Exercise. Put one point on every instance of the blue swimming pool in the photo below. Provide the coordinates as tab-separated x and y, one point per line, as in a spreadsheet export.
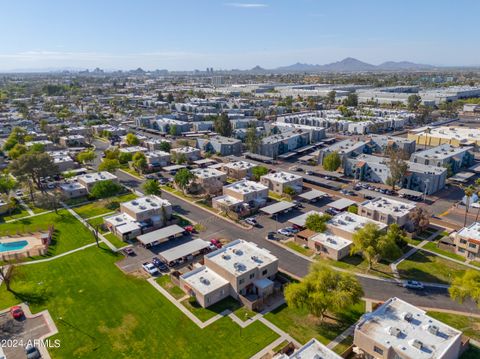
12	246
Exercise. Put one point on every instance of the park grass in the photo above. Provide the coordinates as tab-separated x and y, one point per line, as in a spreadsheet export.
413	241
98	208
302	326
427	267
117	242
102	313
299	248
358	264
166	283
69	232
343	345
205	314
244	313
431	246
470	326
280	346
97	222
18	212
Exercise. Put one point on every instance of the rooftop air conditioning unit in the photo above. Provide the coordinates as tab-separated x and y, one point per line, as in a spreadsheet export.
417	344
408	316
394	331
433	329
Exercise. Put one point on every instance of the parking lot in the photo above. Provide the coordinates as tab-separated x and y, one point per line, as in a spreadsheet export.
20	332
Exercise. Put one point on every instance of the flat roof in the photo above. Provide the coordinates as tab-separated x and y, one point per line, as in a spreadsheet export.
174	167
408	330
145	203
410	192
351	222
204	280
341	203
277	207
239	165
96	176
300	220
282	177
245	186
471	232
159	234
389	206
314	350
314	193
184	250
207	172
462	177
331	240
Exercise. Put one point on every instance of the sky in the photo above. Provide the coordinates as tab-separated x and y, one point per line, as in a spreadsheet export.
195	34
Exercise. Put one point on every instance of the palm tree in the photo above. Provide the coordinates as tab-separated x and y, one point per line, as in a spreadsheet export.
469	192
477	184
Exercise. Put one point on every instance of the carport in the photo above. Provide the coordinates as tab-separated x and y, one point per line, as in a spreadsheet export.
405	192
160	235
186	250
341	204
462	177
312	196
277	208
299	221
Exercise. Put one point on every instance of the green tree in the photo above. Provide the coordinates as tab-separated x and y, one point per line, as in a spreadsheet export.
259	171
86	157
252	141
351	100
152	186
125	157
183	178
140	161
398	167
36	147
7	185
413	102
373	244
331	97
317	222
469	192
466	286
222	125
34	166
16	136
165	146
289	191
170	98
17	151
352	209
332	161
181	158
104	189
420	219
172	130
132	140
324	290
109	165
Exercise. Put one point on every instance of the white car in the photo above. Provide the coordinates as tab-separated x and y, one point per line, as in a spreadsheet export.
285	232
413	284
251	221
150	268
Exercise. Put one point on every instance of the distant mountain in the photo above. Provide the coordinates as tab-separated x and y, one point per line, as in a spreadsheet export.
351	64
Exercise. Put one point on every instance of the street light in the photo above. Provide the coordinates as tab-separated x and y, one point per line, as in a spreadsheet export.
427	181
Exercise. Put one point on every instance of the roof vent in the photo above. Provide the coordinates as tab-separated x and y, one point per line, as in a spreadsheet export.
416	344
394	331
408	316
433	329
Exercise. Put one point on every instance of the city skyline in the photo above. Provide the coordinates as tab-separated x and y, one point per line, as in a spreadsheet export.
189	35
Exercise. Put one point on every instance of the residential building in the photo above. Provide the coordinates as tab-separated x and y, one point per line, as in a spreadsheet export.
210	179
276	145
47	144
64	162
238	169
346	224
387	211
73	190
445	155
455	136
397	329
157	158
154	144
383	142
72	141
242	193
423	178
239	268
224	146
277	182
91	179
330	245
191	153
164	124
133	149
313	349
467	241
345	149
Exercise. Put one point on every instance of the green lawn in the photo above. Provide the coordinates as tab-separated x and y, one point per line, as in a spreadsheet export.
18	212
431	246
69	232
117	242
102	313
100	207
470	326
427	267
359	265
343	345
205	314
299	248
97	222
303	326
166	282
244	313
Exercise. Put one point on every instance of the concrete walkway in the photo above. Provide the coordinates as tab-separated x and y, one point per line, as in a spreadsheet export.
58	255
24	205
411	252
341	337
29	216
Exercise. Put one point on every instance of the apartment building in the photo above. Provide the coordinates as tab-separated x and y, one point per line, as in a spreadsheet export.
240	268
157	158
154	144
73	190
277	182
345	148
91	179
190	153
383	142
455	136
73	141
387	211
330	245
423	178
445	155
209	177
398	329
276	145
467	241
345	224
47	144
133	149
64	162
238	169
163	124
313	349
241	193
224	146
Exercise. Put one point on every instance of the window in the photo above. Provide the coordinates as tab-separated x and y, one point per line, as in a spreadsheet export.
241	281
377	350
264	272
252	275
463	241
461	250
472	245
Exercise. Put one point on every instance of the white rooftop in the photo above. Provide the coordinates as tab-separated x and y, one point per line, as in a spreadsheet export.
227	200
462	134
350	222
471	232
186	149
123	223
282	177
207	172
246	186
71	186
204	280
300	220
146	203
96	176
314	350
133	149
239	256
389	206
239	165
408	330
331	240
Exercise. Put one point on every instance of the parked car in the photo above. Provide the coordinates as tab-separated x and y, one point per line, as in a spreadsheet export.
189	229
32	352
17	312
271	235
285	231
297	204
163	181
251	221
309	173
150	177
413	284
216	243
332	211
159	264
150	268
129	251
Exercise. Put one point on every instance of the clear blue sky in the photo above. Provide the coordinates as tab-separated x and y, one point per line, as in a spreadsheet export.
189	34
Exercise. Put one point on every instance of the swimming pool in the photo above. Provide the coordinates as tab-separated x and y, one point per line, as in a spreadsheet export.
12	246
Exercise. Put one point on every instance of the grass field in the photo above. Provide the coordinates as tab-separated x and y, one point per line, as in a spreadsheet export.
69	232
470	326
303	326
205	314
18	212
117	242
102	313
427	267
100	207
431	246
166	282
299	248
359	265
